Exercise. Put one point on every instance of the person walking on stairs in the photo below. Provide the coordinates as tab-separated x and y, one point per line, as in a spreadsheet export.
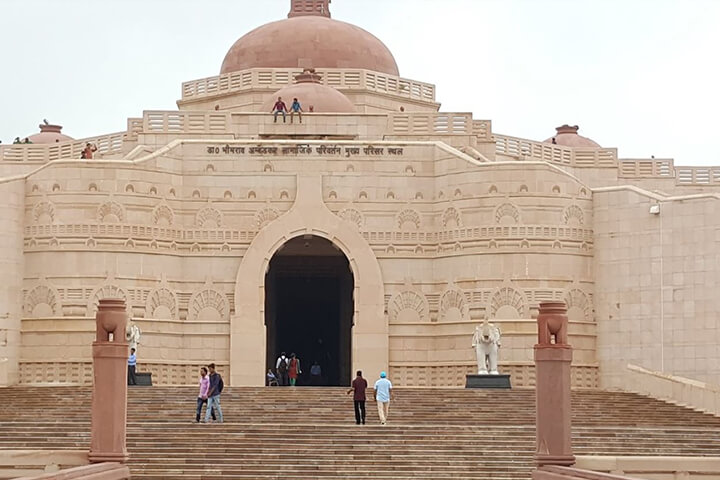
216	387
281	368
202	394
358	387
294	369
383	395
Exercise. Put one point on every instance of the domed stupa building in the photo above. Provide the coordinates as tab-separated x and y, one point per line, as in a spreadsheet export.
374	235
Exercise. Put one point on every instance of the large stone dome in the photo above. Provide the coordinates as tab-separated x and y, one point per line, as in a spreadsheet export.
309	41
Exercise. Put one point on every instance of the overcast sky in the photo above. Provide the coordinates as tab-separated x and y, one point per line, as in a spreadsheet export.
640	75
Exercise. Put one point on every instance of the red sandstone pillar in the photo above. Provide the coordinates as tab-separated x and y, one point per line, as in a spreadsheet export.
553	356
109	398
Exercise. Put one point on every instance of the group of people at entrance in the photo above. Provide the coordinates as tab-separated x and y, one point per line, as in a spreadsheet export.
287	371
382	394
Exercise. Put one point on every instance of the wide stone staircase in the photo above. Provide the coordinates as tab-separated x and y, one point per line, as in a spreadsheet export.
308	433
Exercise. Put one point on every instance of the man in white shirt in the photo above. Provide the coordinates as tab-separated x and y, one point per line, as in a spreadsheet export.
281	369
383	395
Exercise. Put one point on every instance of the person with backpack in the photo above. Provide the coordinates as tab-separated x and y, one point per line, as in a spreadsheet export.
216	388
281	367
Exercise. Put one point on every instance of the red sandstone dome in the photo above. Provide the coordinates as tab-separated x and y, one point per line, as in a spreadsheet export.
309	40
49	134
310	92
567	136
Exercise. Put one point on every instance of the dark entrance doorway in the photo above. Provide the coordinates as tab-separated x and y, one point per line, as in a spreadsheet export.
309	308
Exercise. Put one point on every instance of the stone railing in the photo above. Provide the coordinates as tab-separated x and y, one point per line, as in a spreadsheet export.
42	153
490	232
669	468
342	79
646	168
697	175
555	472
573	157
431	124
683	391
37	462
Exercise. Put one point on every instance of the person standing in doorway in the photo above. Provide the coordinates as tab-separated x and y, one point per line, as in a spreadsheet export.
315	374
383	395
281	367
132	362
294	369
358	387
216	387
202	394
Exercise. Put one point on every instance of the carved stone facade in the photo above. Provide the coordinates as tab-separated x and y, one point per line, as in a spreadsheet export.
443	224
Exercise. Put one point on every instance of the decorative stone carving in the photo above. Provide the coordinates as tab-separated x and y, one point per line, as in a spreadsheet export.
451	218
208	305
573	215
265	216
353	216
161	304
507	213
208	217
42	301
111	212
408	219
578	305
106	291
486	341
552	324
407	307
454	306
163	215
44	213
132	334
507	303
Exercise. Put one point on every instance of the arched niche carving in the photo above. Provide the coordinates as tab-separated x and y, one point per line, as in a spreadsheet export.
111	212
265	216
508	303
42	301
573	215
579	305
506	214
453	306
163	215
353	216
208	305
208	217
161	304
408	219
408	306
44	213
451	218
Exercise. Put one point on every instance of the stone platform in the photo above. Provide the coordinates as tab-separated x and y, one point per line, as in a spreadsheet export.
487	381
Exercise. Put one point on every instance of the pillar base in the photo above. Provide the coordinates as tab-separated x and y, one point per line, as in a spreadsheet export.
100	457
562	460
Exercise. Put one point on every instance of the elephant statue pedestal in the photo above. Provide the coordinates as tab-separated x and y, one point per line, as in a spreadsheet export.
487	381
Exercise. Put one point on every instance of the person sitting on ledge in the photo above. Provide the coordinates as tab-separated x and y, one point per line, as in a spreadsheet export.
279	107
295	108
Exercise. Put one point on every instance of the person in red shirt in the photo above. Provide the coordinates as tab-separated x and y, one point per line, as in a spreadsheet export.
359	385
279	107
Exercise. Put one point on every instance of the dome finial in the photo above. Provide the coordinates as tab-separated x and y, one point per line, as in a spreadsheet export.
302	8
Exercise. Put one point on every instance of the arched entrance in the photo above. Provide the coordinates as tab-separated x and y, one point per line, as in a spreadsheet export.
309	308
308	216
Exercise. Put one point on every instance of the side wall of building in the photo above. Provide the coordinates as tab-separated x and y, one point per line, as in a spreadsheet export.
11	265
657	281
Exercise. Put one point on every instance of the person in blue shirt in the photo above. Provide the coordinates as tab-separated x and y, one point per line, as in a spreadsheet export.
132	361
295	108
383	395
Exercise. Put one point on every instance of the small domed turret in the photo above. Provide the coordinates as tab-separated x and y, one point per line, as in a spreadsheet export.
567	136
49	134
311	93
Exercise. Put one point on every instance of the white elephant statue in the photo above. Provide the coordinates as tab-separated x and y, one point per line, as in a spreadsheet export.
132	334
486	341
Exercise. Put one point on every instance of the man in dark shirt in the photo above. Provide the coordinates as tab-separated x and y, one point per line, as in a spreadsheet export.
279	107
359	385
